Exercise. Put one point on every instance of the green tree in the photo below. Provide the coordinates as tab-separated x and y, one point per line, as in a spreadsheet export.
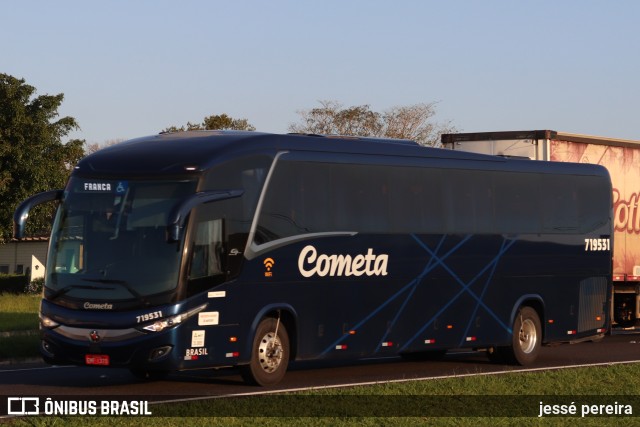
32	155
216	122
413	122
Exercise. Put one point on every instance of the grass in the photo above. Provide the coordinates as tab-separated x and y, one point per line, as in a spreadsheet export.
19	316
509	399
19	312
19	347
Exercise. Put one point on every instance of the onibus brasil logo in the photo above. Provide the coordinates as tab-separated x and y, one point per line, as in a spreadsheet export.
70	405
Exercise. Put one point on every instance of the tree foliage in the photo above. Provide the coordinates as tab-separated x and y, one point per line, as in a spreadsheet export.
32	155
215	122
408	122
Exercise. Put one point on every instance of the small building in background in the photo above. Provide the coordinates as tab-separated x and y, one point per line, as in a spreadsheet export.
27	256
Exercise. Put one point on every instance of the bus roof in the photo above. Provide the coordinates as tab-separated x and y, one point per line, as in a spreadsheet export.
194	152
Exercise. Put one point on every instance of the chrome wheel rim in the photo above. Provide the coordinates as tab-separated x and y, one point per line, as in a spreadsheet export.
270	352
528	336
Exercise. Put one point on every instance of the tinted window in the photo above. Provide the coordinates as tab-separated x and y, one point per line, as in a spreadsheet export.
310	197
517	202
112	234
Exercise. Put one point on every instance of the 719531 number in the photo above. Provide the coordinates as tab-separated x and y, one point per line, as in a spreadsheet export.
593	245
149	316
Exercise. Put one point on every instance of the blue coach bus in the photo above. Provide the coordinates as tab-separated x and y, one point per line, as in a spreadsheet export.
205	249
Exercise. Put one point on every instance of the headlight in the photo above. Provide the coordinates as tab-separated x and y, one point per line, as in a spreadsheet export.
170	322
47	322
164	323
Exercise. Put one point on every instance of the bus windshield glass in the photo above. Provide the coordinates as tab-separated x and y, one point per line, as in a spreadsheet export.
109	239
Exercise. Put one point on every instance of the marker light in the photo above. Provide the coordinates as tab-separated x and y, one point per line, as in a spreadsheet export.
170	322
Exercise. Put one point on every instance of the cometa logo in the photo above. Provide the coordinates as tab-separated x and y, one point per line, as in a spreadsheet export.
103	306
310	263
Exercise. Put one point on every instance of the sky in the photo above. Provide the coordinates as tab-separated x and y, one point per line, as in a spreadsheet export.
130	68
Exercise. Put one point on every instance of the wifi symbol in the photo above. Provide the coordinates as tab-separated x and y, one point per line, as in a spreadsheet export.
268	263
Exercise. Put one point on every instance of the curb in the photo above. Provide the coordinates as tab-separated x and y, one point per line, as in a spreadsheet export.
21	361
25	333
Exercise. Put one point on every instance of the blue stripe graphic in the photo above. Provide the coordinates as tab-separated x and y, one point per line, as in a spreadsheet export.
434	261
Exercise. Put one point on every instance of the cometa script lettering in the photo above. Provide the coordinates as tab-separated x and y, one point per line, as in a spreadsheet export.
103	306
370	264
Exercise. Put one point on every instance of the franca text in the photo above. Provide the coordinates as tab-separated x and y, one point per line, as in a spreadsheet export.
97	186
310	263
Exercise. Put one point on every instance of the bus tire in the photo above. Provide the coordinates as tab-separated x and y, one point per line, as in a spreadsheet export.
269	354
526	337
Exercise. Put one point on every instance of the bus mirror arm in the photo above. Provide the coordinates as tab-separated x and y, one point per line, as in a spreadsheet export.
180	211
22	212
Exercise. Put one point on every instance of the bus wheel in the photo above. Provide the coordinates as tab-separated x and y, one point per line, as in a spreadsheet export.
527	337
269	354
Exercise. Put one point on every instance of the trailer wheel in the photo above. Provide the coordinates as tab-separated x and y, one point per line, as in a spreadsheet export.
526	338
269	354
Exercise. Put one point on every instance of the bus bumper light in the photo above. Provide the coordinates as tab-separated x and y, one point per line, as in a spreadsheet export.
160	352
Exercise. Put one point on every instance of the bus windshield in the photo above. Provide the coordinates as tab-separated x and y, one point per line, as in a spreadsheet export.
109	239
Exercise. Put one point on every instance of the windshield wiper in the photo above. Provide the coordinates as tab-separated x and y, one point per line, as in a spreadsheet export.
122	283
66	289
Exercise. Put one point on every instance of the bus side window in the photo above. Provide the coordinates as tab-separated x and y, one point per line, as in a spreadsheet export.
207	250
207	261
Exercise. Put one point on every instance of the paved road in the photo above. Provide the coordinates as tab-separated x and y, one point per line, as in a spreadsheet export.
40	379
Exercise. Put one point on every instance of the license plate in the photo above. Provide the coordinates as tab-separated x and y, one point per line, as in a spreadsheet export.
97	359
